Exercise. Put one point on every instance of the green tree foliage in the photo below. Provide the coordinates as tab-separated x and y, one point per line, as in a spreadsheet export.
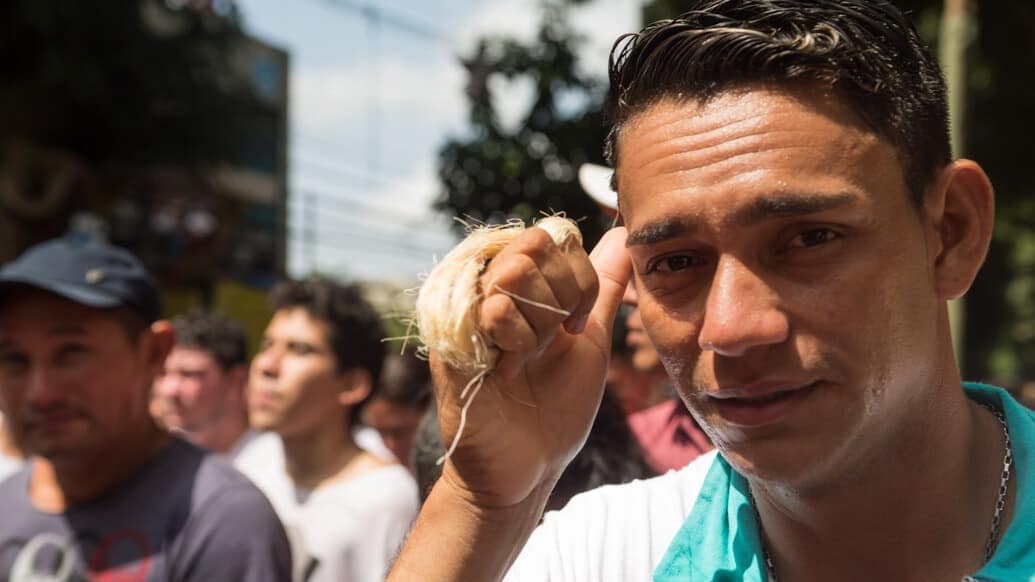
494	172
1000	307
127	80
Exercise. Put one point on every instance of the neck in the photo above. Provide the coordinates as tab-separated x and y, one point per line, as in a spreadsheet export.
56	486
221	436
7	448
313	456
935	489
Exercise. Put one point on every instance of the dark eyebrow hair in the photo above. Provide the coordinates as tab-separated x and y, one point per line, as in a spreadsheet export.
789	205
759	210
67	329
63	329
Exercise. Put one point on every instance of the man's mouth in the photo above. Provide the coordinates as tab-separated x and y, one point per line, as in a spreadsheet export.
52	419
745	408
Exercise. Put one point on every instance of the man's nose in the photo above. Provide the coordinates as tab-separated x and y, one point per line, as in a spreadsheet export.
267	362
43	389
741	312
167	384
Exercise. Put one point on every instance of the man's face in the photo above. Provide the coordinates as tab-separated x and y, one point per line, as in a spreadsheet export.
396	423
72	385
194	392
783	276
294	383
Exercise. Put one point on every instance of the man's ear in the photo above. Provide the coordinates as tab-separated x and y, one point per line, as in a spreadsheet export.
960	207
160	339
356	386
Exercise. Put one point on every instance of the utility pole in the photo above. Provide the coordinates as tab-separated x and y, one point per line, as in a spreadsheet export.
958	28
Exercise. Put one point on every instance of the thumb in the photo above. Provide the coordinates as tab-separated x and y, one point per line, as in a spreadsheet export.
611	261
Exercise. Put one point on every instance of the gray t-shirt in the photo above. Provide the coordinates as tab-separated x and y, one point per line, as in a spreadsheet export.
186	515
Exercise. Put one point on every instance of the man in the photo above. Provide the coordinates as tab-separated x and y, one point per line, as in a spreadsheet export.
795	226
346	509
108	494
200	391
399	402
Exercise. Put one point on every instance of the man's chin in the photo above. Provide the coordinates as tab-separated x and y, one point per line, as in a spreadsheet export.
59	452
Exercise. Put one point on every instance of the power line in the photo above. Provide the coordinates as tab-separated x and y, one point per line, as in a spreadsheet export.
311	235
347	209
345	171
376	15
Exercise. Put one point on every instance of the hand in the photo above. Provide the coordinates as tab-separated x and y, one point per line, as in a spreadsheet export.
533	412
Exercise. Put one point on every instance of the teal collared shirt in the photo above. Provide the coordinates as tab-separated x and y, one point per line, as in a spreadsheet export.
720	539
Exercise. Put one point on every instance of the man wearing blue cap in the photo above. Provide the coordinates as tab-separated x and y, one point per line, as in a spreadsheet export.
108	493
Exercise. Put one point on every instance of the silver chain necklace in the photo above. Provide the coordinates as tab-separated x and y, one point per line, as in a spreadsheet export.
1000	502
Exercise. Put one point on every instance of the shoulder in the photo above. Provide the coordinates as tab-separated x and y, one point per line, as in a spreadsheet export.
260	455
216	489
231	531
381	487
613	533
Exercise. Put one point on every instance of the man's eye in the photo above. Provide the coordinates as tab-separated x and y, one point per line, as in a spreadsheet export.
71	353
13	361
673	263
301	349
815	237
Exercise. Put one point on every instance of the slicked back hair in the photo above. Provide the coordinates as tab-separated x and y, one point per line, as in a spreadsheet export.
355	326
865	51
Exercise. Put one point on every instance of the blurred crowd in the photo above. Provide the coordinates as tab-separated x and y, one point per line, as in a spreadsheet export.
111	412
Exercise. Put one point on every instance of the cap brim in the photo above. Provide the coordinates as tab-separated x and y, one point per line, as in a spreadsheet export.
596	182
75	293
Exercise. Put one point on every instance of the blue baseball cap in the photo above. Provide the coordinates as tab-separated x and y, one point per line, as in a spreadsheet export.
86	272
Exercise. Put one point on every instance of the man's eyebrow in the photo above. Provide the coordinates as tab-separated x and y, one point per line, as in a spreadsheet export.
67	329
790	205
761	209
662	230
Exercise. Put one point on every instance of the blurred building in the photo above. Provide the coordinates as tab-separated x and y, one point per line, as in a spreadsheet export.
155	124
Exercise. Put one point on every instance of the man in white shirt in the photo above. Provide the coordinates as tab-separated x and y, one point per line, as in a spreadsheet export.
345	509
796	225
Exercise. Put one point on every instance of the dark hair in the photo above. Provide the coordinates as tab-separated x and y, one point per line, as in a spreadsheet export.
866	51
405	380
355	326
132	322
611	456
427	448
222	337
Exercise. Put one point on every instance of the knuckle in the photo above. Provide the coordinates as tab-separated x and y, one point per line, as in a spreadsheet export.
510	272
535	243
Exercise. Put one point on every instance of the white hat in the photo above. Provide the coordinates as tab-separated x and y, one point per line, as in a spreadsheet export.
596	181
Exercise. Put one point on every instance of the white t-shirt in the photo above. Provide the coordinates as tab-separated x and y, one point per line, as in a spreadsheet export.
241	445
617	533
347	531
9	465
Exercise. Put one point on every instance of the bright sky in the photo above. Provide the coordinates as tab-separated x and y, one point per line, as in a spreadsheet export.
370	106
